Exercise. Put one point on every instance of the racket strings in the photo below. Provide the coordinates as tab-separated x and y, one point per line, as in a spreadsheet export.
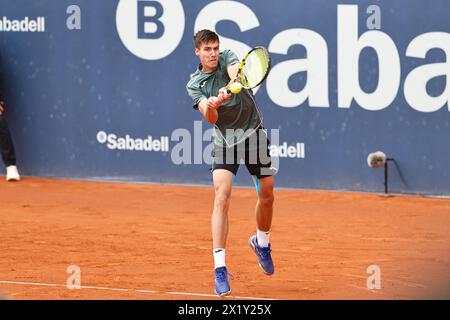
255	68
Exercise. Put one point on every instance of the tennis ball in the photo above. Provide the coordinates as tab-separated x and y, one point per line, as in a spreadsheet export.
235	88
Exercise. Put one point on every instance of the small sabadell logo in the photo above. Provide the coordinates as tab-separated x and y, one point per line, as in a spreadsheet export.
24	25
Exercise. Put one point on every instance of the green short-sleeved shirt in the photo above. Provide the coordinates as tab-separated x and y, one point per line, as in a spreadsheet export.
239	117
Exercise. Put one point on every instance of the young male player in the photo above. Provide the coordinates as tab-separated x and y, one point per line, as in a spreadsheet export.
238	134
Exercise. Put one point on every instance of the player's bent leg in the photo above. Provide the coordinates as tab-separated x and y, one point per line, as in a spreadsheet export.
264	206
259	243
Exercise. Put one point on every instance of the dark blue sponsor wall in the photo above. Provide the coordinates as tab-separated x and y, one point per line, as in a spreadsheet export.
96	89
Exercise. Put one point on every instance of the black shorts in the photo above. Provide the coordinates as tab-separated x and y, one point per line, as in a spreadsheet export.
254	151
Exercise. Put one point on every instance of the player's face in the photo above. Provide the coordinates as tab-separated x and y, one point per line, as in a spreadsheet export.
208	55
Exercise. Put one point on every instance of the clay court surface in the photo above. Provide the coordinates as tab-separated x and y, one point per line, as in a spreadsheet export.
142	241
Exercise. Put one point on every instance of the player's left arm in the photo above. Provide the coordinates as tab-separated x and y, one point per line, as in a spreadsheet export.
232	73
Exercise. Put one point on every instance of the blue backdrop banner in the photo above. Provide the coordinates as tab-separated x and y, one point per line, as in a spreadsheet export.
96	89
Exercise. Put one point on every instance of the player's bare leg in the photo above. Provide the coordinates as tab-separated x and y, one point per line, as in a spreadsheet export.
223	180
264	205
260	243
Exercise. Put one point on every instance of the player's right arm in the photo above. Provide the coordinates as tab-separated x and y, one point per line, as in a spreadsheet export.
208	108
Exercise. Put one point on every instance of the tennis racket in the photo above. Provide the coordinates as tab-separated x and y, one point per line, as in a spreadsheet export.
253	70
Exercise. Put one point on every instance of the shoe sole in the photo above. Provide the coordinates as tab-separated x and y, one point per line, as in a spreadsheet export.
254	250
223	294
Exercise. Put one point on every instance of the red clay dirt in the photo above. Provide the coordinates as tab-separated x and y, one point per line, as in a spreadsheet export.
157	239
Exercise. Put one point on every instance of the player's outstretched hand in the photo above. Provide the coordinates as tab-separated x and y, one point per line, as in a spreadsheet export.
213	103
223	96
216	102
223	93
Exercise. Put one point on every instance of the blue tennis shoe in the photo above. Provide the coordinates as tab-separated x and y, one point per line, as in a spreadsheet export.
221	284
263	254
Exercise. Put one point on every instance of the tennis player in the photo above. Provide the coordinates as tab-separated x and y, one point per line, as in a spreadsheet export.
238	135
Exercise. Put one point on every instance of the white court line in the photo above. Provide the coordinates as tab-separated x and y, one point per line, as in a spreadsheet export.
129	290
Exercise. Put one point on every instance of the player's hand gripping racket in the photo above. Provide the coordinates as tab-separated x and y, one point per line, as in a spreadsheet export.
253	70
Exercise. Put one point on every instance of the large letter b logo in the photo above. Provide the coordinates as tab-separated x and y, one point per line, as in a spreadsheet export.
149	25
150	29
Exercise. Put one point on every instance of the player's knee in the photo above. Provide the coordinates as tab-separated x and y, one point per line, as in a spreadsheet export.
223	196
266	198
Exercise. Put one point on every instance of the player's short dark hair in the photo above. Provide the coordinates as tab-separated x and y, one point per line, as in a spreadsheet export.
204	36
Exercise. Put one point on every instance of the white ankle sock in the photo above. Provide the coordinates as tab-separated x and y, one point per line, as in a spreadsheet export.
219	257
263	238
